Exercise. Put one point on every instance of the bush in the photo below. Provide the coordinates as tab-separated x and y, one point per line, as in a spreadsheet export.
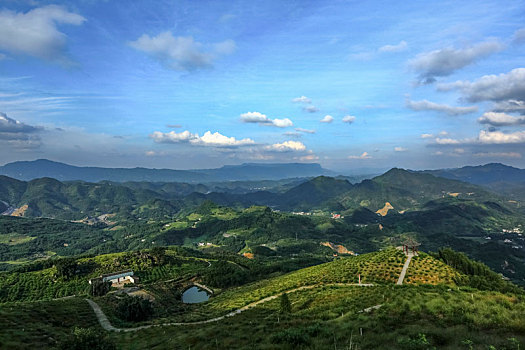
292	336
86	339
134	308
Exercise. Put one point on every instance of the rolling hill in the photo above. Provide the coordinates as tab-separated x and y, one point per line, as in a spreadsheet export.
327	307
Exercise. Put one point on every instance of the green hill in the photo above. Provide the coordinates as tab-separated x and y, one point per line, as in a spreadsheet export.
433	309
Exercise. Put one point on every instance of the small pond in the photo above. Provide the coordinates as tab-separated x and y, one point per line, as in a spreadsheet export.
195	295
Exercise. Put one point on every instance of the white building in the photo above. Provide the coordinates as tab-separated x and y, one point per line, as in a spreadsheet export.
119	277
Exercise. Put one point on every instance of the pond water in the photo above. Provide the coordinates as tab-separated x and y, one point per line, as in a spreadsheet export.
195	295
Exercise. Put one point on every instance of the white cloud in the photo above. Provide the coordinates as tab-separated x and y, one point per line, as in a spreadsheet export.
302	99
427	136
259	118
311	109
348	119
364	155
208	139
306	131
400	149
181	53
286	146
447	141
499	137
444	62
509	86
327	119
282	123
394	48
500	119
35	33
498	154
425	105
443	133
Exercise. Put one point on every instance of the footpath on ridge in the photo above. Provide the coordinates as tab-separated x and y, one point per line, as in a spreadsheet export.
405	268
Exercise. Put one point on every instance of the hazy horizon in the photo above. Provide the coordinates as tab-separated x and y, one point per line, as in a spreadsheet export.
353	171
197	85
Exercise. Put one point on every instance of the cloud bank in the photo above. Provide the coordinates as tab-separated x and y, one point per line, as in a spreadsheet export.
208	139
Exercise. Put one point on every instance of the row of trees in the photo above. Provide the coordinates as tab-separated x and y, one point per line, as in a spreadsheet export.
476	274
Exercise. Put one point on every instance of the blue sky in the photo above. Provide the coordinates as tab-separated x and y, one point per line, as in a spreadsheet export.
198	84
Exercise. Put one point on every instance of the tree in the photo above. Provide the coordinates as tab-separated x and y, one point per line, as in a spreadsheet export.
66	268
223	274
286	306
98	288
134	308
159	255
86	339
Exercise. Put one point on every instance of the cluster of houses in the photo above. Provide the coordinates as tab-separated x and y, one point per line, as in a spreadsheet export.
301	213
513	230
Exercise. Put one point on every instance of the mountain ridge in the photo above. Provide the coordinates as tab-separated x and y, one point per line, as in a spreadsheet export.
29	170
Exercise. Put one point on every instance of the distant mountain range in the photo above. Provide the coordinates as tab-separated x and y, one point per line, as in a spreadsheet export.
29	170
403	189
483	174
497	177
397	189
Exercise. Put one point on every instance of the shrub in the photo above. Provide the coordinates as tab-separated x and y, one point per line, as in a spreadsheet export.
292	336
86	339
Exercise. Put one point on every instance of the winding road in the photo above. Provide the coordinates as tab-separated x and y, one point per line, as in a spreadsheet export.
105	324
